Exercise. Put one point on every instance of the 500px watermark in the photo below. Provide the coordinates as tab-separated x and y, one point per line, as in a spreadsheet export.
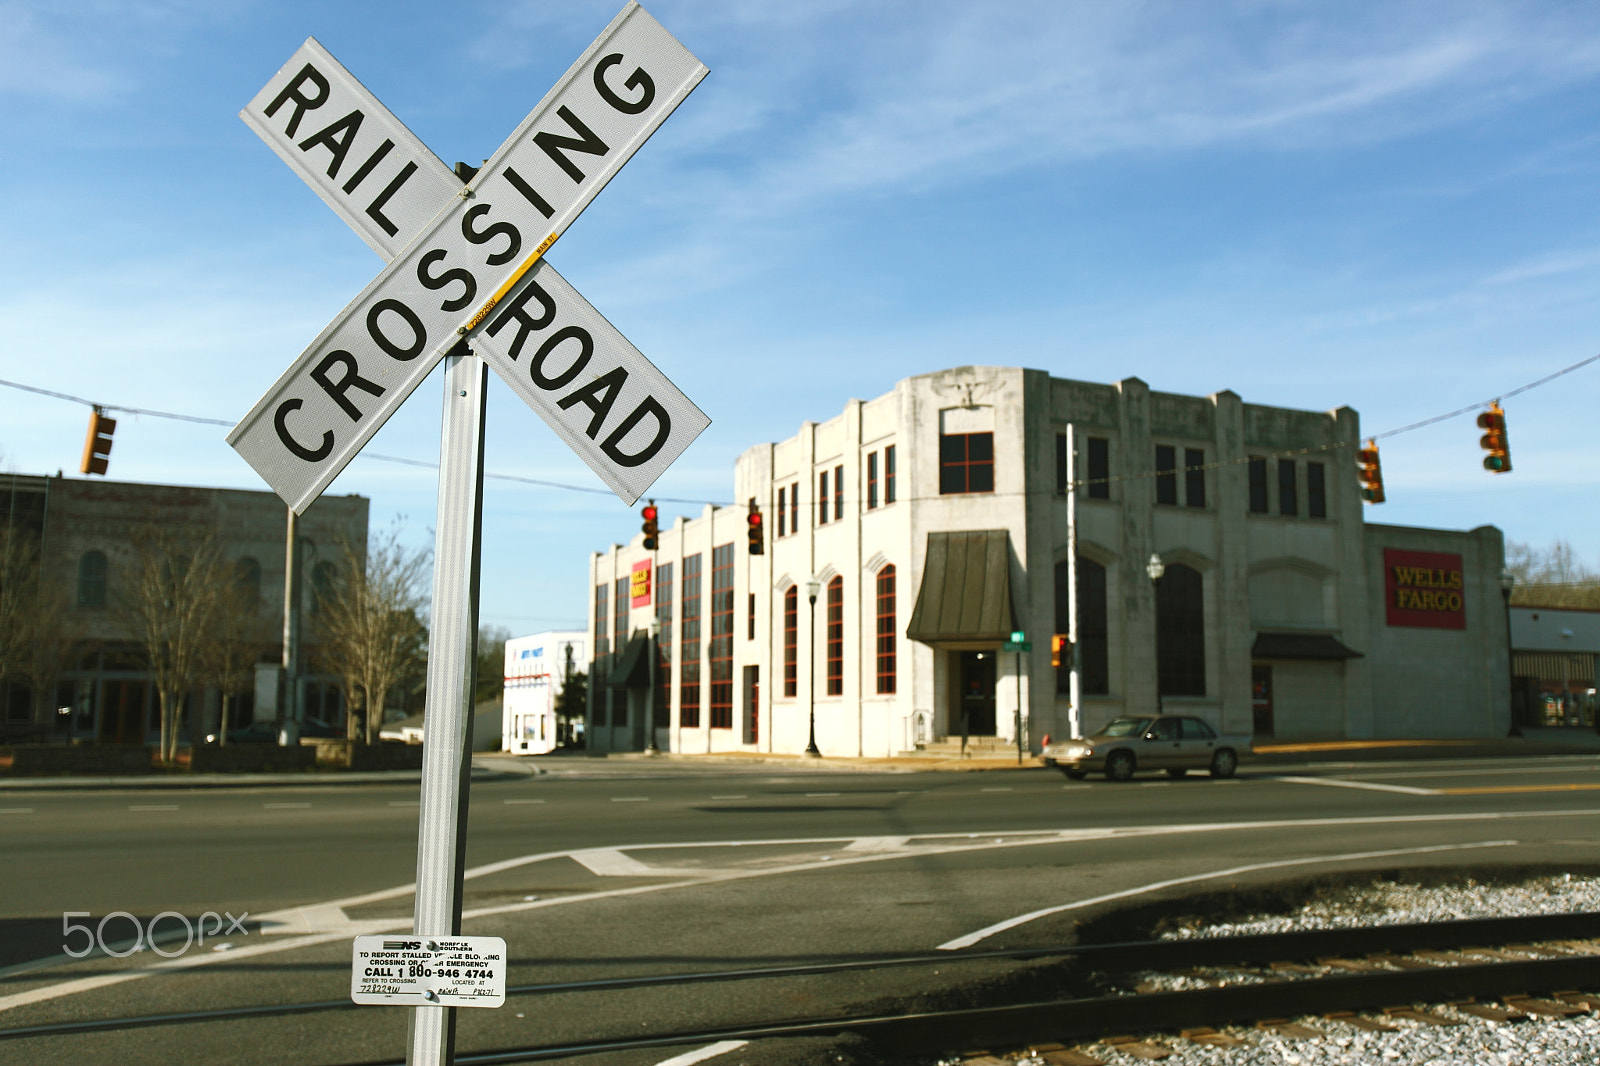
145	935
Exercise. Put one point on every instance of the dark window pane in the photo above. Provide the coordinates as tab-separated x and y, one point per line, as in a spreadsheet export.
980	447
838	493
1099	472
888	474
886	628
1258	485
952	448
1316	490
1094	674
1180	632
1166	479
1194	477
719	650
1062	476
1288	501
836	637
872	480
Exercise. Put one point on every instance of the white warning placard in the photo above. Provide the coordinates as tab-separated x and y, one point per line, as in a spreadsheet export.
421	971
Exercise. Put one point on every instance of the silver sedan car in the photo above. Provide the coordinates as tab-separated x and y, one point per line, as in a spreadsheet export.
1175	743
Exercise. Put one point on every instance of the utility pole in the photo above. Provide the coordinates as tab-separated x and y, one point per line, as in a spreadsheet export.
1074	678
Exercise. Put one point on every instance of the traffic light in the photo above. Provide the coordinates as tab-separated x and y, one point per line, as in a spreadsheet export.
758	543
1493	441
651	528
1371	474
1060	650
97	446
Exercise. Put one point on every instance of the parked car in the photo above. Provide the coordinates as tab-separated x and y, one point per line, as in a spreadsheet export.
1176	743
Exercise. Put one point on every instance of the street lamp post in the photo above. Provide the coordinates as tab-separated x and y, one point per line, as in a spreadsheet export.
812	588
1155	568
1508	581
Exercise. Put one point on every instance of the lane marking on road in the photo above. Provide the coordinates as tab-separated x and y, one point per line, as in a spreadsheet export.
1370	786
876	844
1571	768
630	799
932	844
1354	856
285	806
729	797
514	802
153	807
816	794
610	862
710	1051
1488	790
994	790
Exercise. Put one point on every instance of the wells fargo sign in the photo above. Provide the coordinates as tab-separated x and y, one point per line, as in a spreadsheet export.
1424	589
639	584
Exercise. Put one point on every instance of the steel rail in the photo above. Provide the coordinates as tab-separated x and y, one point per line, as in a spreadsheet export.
1110	958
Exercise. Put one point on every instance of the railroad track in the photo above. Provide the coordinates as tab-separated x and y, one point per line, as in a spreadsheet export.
1500	969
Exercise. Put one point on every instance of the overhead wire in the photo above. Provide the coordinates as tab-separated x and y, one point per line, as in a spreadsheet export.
1140	476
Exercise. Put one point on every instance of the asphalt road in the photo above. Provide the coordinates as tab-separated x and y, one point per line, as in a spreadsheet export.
600	870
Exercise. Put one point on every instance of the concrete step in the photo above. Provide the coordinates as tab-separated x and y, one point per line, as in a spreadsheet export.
950	748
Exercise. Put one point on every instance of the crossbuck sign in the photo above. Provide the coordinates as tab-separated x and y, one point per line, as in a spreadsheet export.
466	264
465	282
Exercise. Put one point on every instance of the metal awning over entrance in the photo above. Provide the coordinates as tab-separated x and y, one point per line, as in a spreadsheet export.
1314	647
966	589
631	667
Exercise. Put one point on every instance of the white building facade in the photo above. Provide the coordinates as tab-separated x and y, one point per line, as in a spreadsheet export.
935	520
537	667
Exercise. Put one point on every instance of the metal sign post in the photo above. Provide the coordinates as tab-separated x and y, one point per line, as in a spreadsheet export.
465	267
452	656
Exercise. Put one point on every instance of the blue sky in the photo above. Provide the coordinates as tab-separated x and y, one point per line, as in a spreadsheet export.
1391	206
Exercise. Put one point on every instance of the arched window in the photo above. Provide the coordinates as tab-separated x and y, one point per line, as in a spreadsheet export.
324	577
886	651
836	637
1180	632
791	634
92	579
1094	674
247	582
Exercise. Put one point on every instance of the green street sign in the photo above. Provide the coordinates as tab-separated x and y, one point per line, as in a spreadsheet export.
1017	645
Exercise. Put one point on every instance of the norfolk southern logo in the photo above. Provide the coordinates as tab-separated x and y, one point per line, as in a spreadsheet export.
401	945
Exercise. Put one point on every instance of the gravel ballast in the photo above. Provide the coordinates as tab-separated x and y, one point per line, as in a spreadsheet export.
1473	1041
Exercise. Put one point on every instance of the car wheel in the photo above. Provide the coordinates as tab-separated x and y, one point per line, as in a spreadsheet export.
1177	772
1119	766
1076	775
1224	763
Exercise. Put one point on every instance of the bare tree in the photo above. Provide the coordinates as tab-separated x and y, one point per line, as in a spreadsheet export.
370	625
51	636
1551	577
171	606
231	655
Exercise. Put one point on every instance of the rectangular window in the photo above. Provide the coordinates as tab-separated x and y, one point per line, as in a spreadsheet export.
872	480
791	640
838	493
1258	485
888	474
663	715
689	684
619	628
1166	474
836	637
1194	477
602	646
783	510
794	507
750	619
1092	652
966	463
822	498
886	650
720	649
1099	468
1316	490
1063	473
1288	496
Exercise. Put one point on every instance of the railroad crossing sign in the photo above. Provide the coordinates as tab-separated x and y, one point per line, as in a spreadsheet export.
465	263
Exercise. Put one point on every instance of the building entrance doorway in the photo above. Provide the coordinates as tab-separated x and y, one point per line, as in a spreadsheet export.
122	712
974	675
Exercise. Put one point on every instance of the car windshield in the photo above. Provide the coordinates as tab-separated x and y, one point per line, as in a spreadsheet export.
1125	727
